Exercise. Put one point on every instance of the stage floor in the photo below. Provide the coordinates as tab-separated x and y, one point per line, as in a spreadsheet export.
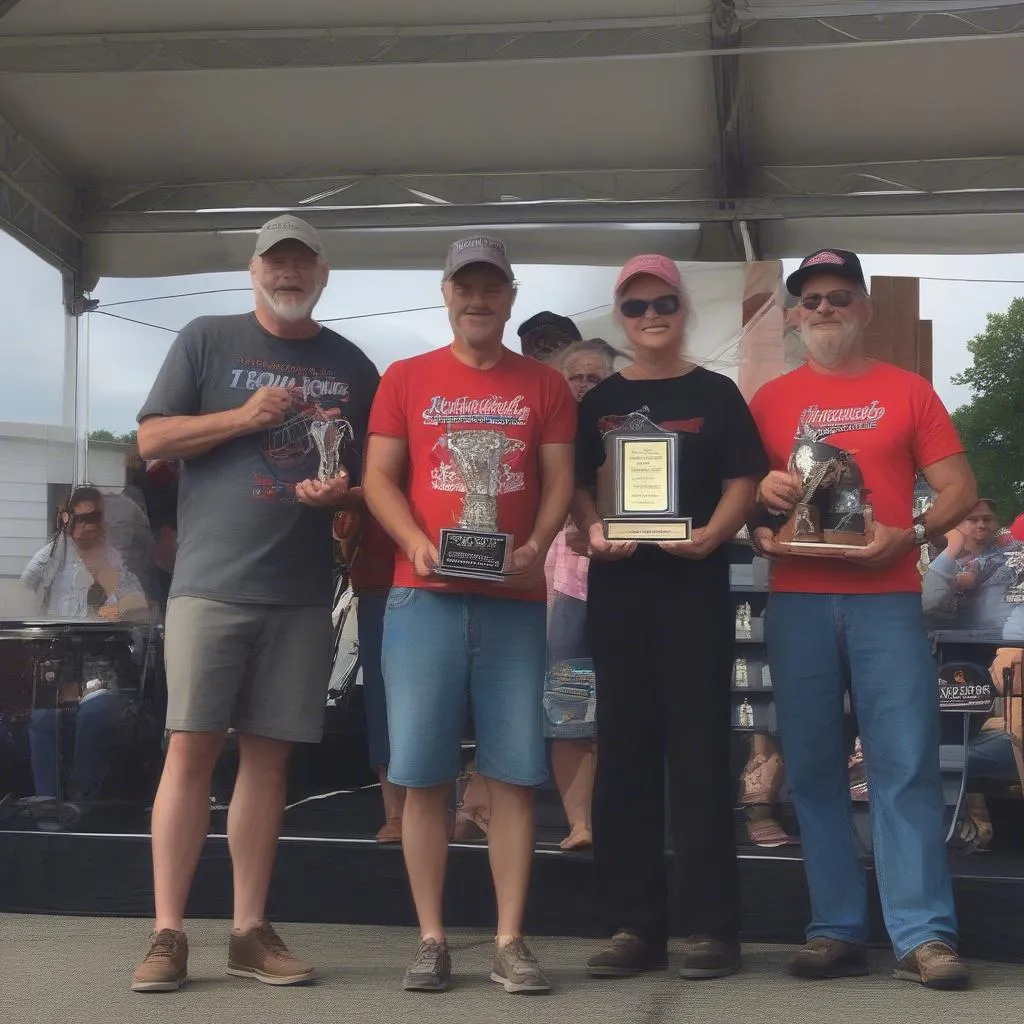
329	869
66	968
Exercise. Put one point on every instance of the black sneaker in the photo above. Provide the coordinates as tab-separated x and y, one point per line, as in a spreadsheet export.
626	955
823	957
707	957
431	970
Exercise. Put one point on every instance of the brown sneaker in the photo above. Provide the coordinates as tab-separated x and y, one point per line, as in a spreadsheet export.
261	954
627	954
707	957
516	968
165	966
829	958
934	965
431	970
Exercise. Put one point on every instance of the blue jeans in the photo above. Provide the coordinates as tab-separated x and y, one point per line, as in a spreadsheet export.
370	627
71	747
444	653
990	756
817	644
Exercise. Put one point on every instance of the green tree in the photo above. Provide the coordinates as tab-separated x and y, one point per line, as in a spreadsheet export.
991	425
108	435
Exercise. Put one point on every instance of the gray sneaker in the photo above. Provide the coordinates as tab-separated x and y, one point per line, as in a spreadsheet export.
431	970
516	968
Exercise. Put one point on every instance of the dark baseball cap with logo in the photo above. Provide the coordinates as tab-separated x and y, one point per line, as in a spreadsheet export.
838	262
546	333
477	249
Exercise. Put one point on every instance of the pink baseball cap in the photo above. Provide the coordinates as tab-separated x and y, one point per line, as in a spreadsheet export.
657	266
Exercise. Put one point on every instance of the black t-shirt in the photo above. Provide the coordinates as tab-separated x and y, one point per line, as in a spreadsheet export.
718	441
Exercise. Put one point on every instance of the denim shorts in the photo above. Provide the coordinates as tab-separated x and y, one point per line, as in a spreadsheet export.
446	655
569	690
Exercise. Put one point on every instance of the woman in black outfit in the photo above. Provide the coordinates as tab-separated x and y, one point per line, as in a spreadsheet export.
661	631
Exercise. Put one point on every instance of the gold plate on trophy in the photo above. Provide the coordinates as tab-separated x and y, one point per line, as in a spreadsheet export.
637	489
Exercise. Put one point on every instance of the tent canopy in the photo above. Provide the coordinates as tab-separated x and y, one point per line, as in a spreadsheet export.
151	139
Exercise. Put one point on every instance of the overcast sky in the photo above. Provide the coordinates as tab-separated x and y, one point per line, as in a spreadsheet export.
124	357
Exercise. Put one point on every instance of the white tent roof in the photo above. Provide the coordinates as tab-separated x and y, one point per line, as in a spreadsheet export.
150	139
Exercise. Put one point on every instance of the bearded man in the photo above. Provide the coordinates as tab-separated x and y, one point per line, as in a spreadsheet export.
266	413
856	622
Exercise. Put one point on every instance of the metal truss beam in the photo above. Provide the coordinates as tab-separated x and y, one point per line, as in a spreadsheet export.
37	202
555	213
727	241
542	186
259	49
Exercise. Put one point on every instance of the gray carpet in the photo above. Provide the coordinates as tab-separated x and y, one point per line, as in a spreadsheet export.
77	969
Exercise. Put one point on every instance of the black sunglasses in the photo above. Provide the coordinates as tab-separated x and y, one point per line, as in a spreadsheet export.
840	299
664	305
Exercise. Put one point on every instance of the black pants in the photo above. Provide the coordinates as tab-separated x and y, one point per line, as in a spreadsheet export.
663	657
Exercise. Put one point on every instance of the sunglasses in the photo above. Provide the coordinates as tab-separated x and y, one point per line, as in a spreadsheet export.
585	378
664	305
839	299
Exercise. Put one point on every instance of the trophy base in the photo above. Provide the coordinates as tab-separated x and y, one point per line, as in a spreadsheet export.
647	531
835	545
473	554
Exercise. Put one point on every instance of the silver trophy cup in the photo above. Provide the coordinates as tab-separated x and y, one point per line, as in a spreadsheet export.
476	549
477	456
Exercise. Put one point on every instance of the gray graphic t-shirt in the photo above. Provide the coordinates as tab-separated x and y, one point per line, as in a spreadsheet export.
242	536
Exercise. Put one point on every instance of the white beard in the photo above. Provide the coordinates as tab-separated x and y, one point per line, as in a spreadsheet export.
829	348
289	311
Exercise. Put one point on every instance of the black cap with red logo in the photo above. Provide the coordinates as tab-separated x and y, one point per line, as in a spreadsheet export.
827	261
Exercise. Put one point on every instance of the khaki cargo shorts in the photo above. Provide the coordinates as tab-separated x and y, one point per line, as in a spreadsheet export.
256	668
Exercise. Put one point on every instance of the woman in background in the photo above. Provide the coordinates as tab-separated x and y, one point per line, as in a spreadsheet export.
569	694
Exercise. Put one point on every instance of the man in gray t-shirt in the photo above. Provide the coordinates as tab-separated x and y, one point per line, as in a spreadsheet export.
266	413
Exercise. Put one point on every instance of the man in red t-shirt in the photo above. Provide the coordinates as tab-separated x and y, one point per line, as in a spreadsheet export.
453	643
856	621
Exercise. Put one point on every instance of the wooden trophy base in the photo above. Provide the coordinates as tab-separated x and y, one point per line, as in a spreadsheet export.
815	542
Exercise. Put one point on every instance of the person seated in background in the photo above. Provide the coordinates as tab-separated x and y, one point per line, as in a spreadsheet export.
80	574
965	586
994	755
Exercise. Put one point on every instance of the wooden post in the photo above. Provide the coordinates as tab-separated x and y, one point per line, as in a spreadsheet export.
924	349
893	334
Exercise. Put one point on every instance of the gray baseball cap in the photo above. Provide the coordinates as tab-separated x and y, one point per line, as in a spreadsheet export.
286	227
477	249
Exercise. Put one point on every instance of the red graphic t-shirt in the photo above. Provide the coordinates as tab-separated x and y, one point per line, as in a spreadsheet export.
893	423
425	398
